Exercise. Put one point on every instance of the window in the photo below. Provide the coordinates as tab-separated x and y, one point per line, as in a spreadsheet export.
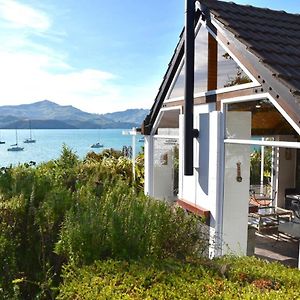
200	80
229	72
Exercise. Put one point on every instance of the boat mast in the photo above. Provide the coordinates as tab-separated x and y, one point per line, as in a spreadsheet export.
30	129
16	137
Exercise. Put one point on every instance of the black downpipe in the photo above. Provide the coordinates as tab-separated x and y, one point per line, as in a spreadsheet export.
189	50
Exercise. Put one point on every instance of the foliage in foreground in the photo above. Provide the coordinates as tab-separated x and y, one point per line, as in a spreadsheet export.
71	210
226	278
122	225
71	213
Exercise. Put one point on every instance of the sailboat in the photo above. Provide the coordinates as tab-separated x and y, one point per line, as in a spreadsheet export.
97	145
15	146
30	139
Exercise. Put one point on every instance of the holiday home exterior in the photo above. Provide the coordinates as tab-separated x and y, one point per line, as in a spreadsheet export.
232	86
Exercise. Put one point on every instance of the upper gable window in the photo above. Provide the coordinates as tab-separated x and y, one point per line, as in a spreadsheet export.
200	80
229	72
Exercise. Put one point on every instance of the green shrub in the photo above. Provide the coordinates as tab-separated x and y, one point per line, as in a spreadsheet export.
33	204
98	205
8	262
169	279
126	225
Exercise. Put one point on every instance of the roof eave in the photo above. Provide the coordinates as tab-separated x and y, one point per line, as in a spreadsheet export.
275	86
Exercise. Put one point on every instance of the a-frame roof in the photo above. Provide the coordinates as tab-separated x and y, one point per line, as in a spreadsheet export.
271	37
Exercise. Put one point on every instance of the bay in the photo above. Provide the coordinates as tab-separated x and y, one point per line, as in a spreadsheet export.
49	143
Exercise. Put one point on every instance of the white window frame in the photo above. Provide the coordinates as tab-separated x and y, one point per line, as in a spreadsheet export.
159	116
259	142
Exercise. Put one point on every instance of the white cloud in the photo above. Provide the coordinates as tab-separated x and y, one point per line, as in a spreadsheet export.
23	16
24	78
29	76
33	71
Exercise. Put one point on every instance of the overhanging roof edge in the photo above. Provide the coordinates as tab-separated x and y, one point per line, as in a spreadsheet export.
263	74
166	83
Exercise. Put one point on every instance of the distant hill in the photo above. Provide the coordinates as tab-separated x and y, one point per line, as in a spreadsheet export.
49	115
128	116
40	124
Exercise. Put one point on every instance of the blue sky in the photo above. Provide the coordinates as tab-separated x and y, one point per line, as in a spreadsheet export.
100	56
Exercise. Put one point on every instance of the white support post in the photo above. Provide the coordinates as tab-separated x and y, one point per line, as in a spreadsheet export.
148	161
133	155
181	160
299	256
262	164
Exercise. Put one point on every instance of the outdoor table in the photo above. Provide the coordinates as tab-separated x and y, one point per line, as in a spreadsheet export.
292	229
268	216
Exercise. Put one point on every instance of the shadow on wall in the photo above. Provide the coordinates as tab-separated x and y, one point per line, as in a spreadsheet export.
203	167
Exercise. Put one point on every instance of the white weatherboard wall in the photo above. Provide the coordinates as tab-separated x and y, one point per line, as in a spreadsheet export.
163	178
203	188
236	194
190	190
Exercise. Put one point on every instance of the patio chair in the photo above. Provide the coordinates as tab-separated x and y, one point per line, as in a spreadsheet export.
261	199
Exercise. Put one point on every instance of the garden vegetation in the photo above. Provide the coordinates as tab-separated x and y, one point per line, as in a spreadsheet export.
82	229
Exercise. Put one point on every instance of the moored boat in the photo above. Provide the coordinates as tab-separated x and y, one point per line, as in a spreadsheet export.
29	140
97	145
15	147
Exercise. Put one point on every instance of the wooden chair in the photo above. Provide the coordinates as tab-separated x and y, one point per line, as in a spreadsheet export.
262	199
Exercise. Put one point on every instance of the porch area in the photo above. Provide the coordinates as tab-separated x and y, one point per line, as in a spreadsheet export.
282	249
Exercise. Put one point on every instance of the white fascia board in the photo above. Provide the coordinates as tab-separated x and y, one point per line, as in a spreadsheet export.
216	92
160	114
279	144
260	97
165	136
198	26
285	114
243	99
174	81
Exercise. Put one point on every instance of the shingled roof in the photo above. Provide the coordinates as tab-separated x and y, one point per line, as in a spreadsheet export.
273	36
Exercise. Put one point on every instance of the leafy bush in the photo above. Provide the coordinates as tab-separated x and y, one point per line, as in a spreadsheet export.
228	278
86	210
126	225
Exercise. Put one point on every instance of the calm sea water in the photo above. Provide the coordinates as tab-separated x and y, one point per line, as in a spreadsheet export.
49	143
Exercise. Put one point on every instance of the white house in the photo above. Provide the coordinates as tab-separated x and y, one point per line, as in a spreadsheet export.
246	94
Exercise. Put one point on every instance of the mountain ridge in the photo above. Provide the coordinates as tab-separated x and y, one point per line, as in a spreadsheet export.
46	114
